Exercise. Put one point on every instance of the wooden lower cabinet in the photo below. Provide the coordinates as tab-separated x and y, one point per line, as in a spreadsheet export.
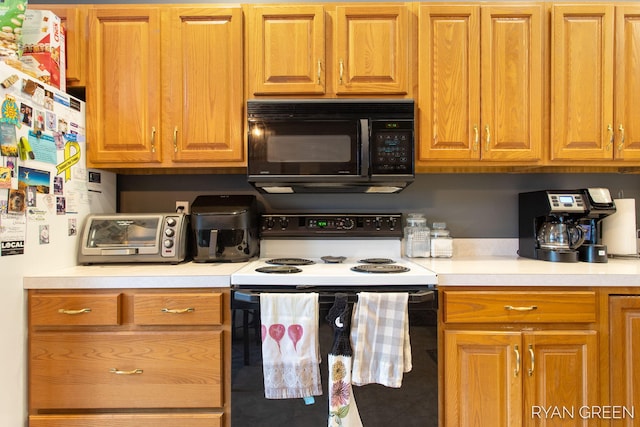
625	357
515	367
127	420
129	358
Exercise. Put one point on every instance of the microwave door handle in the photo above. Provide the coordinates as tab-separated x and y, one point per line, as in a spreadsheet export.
213	243
364	147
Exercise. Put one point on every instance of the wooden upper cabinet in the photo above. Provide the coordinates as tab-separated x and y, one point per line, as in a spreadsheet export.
165	87
202	94
449	80
582	82
481	71
286	50
74	21
123	87
627	83
511	82
372	49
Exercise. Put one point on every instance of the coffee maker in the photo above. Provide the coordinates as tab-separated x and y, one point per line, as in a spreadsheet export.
599	206
548	224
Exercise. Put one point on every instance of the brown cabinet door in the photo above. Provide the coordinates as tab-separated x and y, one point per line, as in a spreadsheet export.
560	369
177	309
449	76
482	379
511	82
286	51
627	81
582	82
624	331
123	87
202	83
372	49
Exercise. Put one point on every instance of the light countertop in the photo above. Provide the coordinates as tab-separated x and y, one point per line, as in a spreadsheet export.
477	262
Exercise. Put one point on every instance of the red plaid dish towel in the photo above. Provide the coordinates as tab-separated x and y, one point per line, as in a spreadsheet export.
380	338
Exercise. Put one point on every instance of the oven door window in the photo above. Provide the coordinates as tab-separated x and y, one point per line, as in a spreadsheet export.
322	147
124	233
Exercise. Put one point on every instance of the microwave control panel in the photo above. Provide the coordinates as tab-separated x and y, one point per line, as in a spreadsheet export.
392	147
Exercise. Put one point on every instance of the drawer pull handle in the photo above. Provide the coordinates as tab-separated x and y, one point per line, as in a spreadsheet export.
131	372
516	371
178	311
533	360
516	308
72	312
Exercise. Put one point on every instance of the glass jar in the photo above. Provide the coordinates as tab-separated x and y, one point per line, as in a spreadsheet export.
441	241
417	236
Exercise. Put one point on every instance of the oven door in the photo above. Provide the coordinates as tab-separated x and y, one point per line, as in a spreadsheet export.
306	149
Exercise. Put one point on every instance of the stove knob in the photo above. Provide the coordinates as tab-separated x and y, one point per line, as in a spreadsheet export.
284	222
348	224
168	243
392	223
269	223
378	223
169	232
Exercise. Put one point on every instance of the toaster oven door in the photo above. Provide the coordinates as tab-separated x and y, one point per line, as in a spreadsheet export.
122	235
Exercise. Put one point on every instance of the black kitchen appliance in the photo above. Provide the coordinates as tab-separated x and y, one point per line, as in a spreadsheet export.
331	146
600	205
548	224
225	228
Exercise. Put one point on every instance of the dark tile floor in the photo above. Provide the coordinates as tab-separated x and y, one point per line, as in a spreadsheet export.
414	404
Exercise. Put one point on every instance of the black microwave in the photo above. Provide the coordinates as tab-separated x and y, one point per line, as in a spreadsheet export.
328	145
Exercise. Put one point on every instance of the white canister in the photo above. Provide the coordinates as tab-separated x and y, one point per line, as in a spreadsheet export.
441	241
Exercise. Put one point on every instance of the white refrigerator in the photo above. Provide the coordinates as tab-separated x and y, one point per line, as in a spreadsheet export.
46	191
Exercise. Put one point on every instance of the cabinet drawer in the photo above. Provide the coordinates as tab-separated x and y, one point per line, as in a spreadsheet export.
512	306
75	309
177	309
127	420
85	370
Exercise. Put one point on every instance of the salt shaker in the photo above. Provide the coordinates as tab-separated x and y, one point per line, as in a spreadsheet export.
441	241
417	236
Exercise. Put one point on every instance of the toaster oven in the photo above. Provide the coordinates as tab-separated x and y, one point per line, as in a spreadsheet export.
134	238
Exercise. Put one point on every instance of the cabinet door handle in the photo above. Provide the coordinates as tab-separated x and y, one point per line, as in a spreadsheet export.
516	371
153	139
175	139
621	129
178	311
486	128
319	70
476	140
516	308
131	372
533	360
341	70
610	130
73	312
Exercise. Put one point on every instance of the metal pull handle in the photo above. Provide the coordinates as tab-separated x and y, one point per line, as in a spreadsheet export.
476	140
341	70
621	129
516	371
533	360
117	371
610	130
73	312
486	128
319	70
175	139
178	311
516	308
153	139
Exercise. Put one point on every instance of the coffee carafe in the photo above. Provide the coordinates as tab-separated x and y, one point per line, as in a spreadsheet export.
559	236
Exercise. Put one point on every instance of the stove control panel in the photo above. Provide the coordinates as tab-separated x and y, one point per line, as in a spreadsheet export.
327	225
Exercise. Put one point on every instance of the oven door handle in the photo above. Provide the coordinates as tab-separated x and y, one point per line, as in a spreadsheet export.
253	297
